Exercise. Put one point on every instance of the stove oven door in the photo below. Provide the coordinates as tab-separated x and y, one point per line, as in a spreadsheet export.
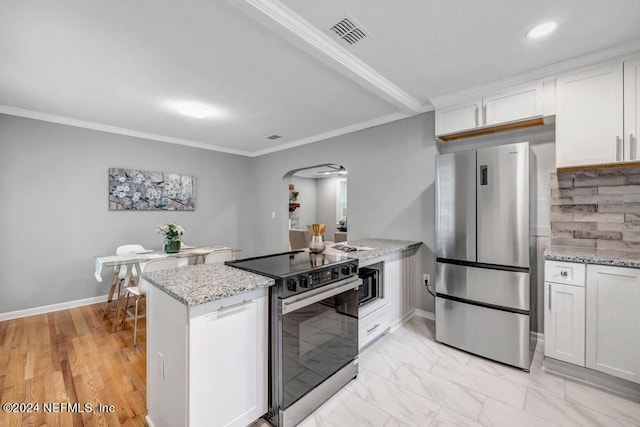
319	337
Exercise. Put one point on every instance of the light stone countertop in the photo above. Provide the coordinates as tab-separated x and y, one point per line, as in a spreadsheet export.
197	284
381	247
593	256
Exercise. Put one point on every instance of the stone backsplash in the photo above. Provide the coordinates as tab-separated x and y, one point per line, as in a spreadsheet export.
596	208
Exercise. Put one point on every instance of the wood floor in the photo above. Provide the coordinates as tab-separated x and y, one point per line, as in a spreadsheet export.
72	357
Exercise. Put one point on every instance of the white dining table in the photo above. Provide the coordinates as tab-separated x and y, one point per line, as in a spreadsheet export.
132	261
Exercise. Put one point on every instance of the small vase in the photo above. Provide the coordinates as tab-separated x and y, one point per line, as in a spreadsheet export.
317	245
171	246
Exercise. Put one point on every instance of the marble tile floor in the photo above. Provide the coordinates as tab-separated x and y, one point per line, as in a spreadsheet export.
407	379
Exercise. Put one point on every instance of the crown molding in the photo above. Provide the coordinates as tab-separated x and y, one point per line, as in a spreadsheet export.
334	133
4	109
549	72
302	30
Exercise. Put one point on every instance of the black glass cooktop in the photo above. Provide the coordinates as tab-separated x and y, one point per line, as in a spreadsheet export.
288	263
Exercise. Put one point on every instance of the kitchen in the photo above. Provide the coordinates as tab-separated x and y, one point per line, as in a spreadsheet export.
237	193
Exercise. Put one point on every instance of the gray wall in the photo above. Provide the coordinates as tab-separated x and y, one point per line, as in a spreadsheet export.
391	171
54	182
307	199
326	191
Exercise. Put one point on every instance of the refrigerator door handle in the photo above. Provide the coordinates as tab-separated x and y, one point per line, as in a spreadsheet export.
484	175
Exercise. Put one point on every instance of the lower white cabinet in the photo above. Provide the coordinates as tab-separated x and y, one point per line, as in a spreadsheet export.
373	325
613	321
564	322
207	365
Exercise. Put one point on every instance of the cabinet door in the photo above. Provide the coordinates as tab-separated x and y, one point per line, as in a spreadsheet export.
613	321
459	118
564	322
228	363
516	104
631	109
589	117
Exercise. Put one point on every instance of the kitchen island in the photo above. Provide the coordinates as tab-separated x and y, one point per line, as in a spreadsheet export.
206	346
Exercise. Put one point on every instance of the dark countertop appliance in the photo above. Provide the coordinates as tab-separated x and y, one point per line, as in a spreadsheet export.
313	331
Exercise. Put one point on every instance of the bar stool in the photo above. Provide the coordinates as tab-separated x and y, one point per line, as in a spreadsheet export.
218	257
120	274
139	292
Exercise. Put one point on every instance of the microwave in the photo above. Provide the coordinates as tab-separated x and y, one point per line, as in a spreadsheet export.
370	288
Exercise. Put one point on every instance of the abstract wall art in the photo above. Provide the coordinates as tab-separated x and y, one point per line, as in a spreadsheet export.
132	189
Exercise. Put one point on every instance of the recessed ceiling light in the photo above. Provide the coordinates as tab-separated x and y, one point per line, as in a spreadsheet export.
197	110
542	30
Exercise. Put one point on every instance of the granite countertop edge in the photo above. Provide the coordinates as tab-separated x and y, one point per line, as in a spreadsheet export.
199	284
382	247
593	256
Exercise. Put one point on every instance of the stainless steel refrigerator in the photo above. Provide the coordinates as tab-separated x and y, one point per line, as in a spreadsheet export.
485	266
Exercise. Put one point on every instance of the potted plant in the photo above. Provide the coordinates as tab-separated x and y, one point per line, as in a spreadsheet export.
342	224
294	196
171	233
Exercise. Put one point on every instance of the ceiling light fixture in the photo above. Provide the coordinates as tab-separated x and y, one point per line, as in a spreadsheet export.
195	109
542	30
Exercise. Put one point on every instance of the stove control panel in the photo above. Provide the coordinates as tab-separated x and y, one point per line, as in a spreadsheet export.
313	279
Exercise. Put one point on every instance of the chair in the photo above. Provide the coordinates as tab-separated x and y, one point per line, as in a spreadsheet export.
218	257
299	239
139	292
339	236
128	249
122	250
183	262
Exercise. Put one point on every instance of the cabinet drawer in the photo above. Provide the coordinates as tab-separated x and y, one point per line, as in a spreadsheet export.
373	325
568	273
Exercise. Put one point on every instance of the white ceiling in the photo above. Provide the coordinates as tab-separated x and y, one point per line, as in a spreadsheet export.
272	66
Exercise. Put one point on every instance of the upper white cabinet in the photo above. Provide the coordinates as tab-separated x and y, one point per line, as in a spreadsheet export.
458	118
597	117
631	108
514	104
613	321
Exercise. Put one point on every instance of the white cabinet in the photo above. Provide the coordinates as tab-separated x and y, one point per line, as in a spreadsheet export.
207	365
397	301
631	108
400	280
613	321
505	106
373	325
458	118
589	126
564	322
564	311
228	353
597	115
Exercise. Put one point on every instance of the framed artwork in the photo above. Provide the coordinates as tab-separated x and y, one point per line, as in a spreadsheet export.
132	189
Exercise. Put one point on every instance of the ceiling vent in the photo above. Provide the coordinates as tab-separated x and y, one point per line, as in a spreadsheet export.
274	136
349	31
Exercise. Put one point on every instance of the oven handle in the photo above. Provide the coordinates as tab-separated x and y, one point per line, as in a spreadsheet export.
296	302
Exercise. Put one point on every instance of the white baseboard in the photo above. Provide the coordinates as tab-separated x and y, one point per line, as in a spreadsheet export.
539	337
51	308
423	313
